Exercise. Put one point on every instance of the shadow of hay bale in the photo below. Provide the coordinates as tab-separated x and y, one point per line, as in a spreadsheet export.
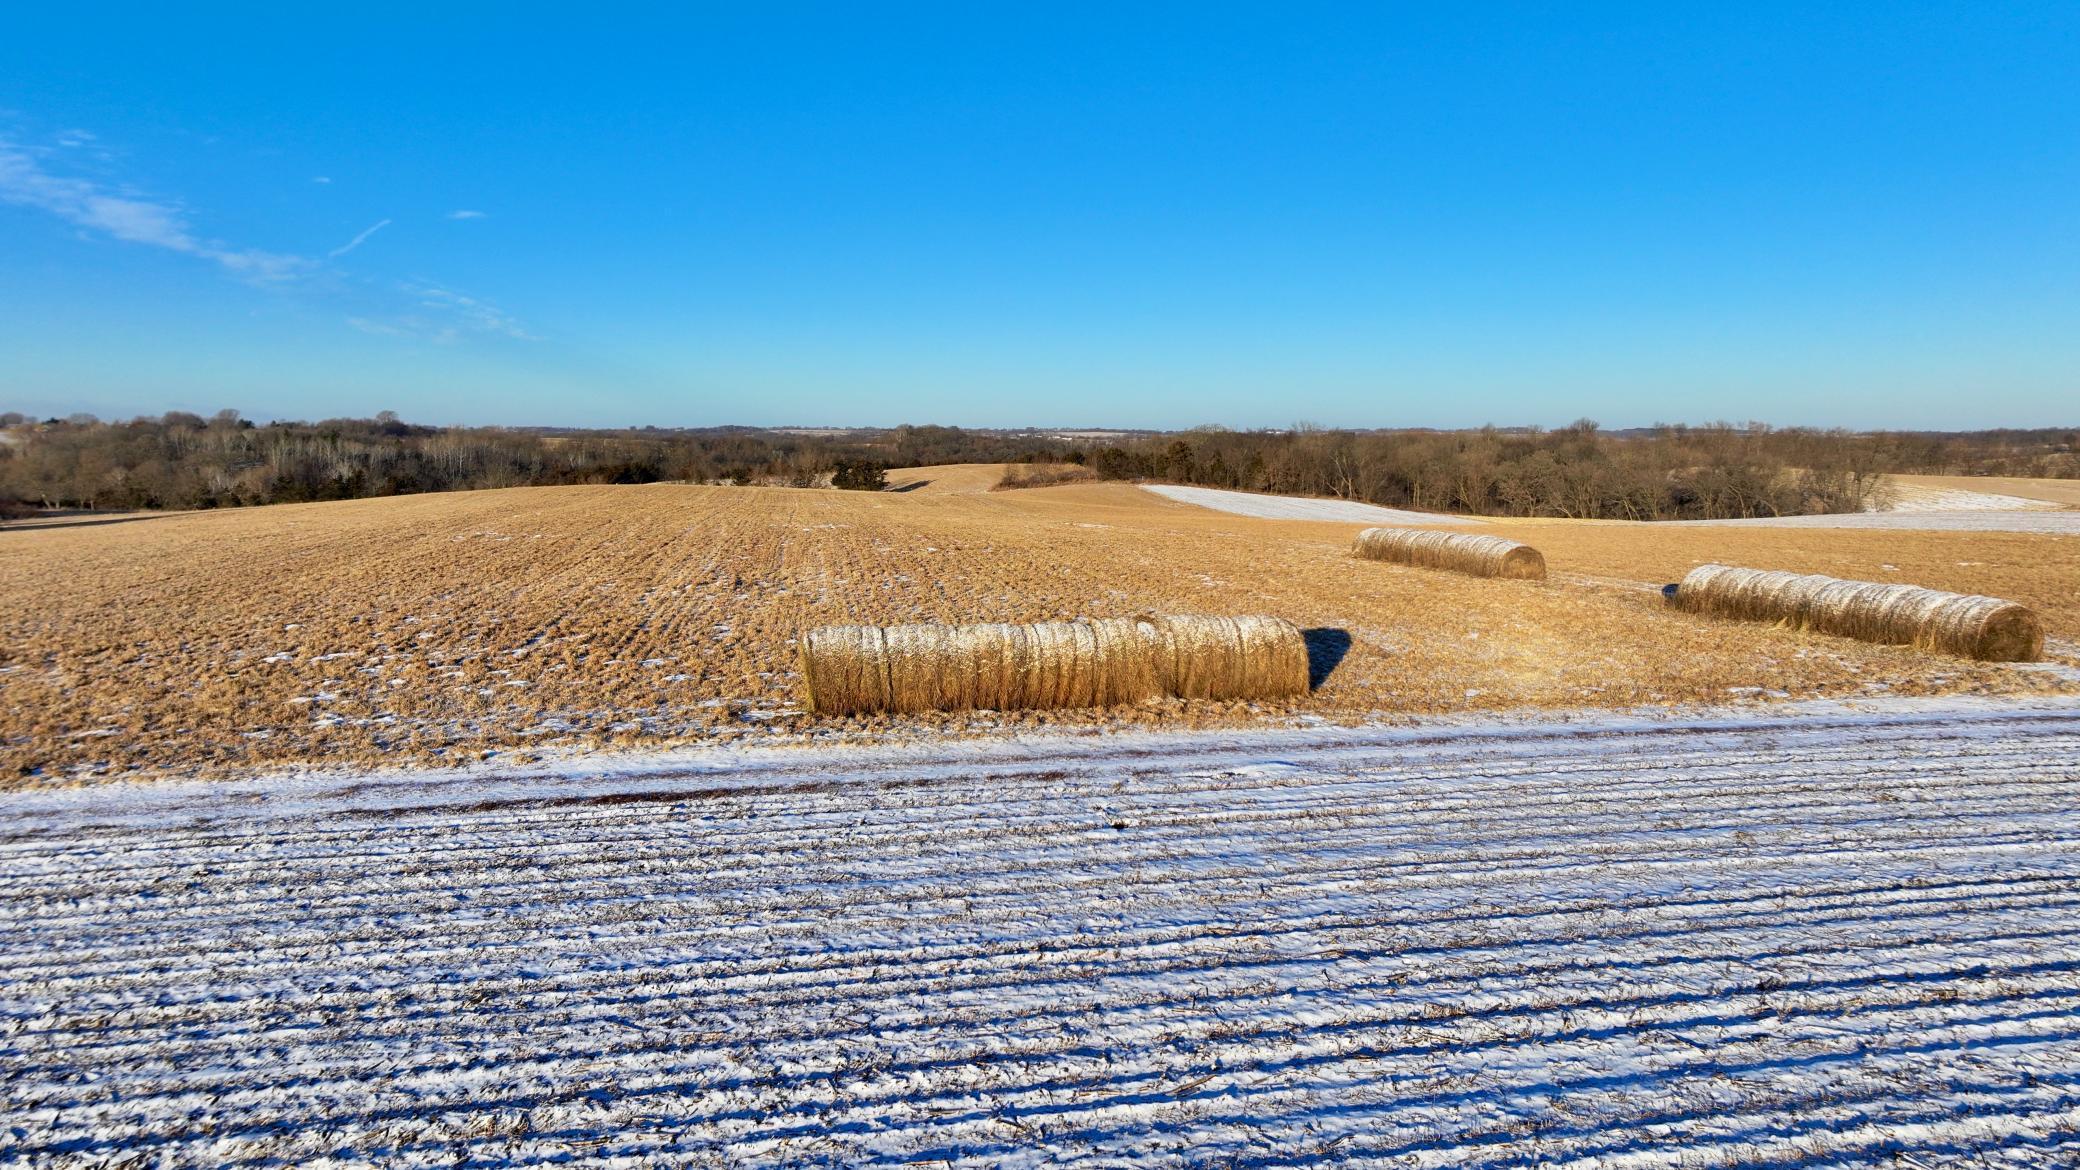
1326	647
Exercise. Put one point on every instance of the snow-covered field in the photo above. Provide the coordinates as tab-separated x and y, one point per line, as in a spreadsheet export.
1926	512
2059	523
1807	937
1270	507
1915	497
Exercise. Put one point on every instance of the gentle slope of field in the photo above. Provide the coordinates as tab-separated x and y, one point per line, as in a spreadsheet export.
441	627
946	479
2056	492
1823	940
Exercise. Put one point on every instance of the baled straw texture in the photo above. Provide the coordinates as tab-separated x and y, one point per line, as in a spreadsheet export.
1986	628
1247	657
1463	552
1084	663
997	666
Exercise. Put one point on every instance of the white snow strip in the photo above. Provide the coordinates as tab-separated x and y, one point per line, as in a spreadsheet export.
1271	507
1983	512
1821	935
2056	523
1914	497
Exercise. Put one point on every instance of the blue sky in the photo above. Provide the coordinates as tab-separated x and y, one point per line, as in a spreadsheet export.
1367	215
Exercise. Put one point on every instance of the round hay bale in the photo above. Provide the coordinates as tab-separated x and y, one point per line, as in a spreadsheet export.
844	668
1248	657
1461	552
996	666
1125	670
1966	625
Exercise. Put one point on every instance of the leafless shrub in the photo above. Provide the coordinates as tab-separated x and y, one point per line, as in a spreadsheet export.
1032	475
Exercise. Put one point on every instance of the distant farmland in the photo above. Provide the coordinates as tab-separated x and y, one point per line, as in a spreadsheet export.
443	627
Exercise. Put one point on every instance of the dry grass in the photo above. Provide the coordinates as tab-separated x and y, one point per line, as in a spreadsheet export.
441	627
1901	615
1459	552
1033	475
946	479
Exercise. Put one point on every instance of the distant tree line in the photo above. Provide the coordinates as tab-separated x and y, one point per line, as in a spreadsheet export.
1664	473
182	460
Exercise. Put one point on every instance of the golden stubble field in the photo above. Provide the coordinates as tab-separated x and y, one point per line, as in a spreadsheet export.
440	628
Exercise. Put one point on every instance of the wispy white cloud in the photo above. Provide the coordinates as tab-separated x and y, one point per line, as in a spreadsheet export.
357	241
37	177
383	328
127	216
409	326
443	315
321	178
472	312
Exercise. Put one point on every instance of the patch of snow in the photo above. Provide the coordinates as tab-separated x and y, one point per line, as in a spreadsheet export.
2061	523
1910	497
1271	507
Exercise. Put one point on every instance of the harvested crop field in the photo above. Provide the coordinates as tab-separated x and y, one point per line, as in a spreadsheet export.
444	627
2040	570
2054	492
1807	939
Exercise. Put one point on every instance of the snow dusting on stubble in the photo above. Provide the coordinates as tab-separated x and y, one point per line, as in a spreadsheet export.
1805	938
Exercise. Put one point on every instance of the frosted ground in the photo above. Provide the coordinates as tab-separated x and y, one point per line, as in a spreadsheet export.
1809	936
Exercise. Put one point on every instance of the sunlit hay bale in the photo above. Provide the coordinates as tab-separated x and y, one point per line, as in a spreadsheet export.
844	668
1901	615
1462	552
1124	670
999	667
1248	657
